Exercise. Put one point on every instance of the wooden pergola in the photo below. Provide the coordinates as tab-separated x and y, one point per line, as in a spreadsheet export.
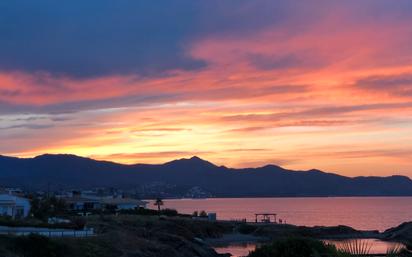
265	217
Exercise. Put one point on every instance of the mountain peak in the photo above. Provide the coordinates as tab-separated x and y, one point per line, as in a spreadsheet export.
196	158
315	171
48	155
193	161
272	166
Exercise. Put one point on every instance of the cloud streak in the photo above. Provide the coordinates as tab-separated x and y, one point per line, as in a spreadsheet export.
238	82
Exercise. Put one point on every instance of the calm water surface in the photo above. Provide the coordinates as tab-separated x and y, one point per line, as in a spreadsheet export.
237	250
367	213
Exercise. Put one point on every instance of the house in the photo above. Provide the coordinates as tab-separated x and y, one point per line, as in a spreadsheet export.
14	206
123	203
82	203
90	204
76	201
91	200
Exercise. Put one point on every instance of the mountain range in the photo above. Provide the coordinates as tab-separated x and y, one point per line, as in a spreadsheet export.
70	171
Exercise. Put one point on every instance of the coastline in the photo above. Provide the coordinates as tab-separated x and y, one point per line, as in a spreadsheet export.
182	236
361	213
379	242
236	238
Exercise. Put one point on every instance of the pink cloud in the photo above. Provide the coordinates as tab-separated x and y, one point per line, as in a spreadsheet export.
332	80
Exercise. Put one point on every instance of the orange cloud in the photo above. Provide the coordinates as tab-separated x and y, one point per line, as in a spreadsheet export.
334	94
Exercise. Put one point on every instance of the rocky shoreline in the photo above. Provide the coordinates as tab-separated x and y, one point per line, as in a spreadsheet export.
266	233
153	236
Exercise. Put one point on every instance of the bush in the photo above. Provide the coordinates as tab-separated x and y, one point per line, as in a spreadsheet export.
246	229
296	247
79	223
169	212
47	207
150	212
202	214
9	221
38	246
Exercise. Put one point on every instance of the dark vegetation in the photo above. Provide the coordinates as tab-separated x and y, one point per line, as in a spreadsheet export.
41	210
124	235
47	207
401	233
144	233
31	246
202	214
309	247
246	228
285	230
150	212
297	247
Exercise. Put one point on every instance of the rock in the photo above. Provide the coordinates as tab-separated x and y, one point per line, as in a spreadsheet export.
402	232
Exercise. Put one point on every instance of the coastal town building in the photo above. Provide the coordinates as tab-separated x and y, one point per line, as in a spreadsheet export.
14	206
123	203
82	203
91	200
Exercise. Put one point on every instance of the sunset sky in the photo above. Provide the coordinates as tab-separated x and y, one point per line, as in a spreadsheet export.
301	84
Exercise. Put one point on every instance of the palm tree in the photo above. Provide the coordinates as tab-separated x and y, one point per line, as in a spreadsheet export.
158	203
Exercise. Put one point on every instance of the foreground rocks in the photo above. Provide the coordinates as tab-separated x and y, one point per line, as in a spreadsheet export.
124	236
401	233
274	231
153	236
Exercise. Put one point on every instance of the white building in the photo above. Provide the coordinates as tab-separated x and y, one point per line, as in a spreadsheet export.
124	203
82	204
14	206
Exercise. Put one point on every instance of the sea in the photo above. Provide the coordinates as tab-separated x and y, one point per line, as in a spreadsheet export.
363	213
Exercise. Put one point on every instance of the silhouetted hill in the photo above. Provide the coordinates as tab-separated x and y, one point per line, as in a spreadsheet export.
70	171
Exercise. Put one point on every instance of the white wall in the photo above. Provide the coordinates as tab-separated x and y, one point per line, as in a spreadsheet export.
17	203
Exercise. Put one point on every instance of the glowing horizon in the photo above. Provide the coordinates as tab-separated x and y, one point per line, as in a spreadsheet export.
325	85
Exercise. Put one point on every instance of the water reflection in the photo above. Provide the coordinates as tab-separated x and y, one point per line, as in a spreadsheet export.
238	249
375	246
365	213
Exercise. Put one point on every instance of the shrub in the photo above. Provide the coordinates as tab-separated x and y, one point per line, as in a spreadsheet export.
38	246
296	247
202	214
150	212
47	207
169	212
79	223
246	229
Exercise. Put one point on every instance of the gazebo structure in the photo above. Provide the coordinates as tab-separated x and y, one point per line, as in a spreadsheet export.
265	217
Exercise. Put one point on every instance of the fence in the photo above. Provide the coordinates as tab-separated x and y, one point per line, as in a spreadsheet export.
23	231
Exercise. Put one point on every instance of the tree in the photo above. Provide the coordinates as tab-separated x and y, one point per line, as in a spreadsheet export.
47	207
158	203
203	214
